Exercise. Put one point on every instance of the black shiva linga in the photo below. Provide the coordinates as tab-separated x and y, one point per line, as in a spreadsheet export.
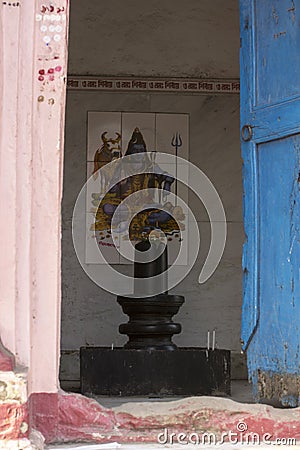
150	323
150	364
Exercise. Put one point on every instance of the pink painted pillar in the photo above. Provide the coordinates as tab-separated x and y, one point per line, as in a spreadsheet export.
33	58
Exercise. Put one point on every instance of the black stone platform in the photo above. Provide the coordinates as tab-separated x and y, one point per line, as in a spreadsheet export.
156	373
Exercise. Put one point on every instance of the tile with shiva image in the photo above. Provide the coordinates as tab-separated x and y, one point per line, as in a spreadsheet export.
138	134
145	126
99	245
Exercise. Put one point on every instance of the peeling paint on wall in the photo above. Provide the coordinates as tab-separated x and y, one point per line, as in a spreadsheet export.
281	388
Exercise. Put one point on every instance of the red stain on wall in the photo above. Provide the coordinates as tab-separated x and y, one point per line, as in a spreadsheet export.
72	417
13	419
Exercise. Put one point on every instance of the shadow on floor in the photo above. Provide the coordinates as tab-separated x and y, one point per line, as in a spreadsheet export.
241	392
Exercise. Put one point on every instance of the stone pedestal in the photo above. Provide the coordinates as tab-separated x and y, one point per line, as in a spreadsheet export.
150	364
155	373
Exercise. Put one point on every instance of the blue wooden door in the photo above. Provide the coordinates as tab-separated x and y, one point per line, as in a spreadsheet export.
270	136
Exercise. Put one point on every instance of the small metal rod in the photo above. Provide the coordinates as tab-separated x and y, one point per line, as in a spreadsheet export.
214	340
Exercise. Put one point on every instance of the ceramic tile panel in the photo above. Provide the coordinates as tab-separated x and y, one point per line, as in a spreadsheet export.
99	240
145	131
99	123
96	187
172	134
145	122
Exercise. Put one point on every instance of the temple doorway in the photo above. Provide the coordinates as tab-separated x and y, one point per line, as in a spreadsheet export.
175	72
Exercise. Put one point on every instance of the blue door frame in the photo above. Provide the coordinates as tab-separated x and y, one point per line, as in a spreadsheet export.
270	136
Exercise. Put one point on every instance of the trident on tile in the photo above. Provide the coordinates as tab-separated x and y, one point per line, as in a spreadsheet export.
177	143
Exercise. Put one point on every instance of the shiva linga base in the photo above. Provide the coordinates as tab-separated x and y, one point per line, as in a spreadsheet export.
150	364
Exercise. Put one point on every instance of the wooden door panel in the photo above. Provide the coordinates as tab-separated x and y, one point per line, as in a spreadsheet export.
270	113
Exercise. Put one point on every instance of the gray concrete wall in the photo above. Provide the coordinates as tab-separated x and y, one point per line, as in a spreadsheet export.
173	38
167	38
